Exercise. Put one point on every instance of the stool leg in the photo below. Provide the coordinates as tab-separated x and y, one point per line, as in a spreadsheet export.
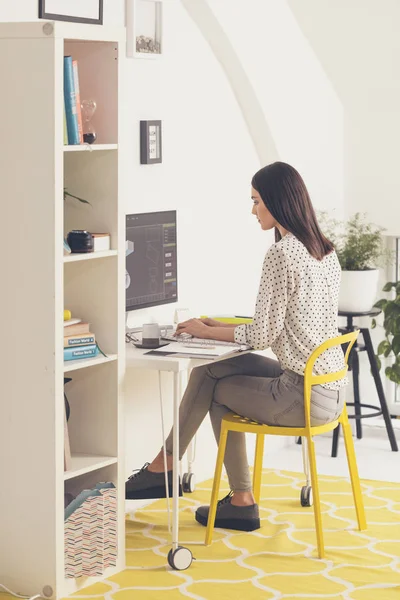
355	367
353	470
258	464
335	441
315	491
217	480
379	389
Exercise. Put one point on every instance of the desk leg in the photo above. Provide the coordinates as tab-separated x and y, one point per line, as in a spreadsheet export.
175	472
179	557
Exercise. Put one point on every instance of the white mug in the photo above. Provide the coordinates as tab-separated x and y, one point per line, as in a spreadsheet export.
151	334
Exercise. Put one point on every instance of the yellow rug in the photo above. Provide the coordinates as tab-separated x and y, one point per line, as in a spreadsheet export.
277	561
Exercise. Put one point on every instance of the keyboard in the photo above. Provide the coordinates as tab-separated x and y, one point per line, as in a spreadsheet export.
185	338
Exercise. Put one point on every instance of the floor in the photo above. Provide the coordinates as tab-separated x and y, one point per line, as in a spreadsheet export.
374	457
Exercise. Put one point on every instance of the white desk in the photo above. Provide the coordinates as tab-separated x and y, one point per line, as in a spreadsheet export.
179	558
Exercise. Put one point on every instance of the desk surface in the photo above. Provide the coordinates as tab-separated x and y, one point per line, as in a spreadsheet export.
137	358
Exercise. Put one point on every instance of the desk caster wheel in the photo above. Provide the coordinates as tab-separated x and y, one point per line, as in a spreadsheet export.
306	498
180	559
188	483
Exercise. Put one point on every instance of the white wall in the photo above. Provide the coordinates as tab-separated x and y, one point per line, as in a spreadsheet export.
357	44
209	158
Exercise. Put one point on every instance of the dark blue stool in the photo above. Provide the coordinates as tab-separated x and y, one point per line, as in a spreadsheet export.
354	366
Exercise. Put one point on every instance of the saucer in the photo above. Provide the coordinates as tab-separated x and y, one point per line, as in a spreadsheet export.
148	346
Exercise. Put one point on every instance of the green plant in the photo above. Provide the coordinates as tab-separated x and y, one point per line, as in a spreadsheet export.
66	194
390	346
359	244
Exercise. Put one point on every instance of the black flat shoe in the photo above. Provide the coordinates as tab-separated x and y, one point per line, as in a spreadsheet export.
146	485
228	516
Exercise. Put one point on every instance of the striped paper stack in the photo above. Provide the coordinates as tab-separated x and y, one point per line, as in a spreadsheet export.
110	523
91	532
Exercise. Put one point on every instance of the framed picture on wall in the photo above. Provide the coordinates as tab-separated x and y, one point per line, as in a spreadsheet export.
150	142
143	28
77	11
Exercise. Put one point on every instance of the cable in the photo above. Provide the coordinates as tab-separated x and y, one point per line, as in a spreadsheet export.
19	595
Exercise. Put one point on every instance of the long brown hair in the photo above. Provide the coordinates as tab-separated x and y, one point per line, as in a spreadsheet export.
284	193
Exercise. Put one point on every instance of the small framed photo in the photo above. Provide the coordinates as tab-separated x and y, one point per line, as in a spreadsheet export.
150	142
82	11
144	28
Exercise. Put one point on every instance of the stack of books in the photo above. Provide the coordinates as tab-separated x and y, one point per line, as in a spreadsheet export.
73	129
90	531
79	342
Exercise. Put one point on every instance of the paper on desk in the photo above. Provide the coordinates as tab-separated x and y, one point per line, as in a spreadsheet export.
181	350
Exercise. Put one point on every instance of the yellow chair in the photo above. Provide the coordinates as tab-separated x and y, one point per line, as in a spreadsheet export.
236	423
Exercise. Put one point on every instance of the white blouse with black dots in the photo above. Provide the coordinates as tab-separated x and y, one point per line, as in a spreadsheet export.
297	309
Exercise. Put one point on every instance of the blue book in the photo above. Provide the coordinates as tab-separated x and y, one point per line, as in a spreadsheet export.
71	113
89	351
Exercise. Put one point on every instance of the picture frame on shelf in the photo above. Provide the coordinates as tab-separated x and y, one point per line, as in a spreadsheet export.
144	28
84	11
150	142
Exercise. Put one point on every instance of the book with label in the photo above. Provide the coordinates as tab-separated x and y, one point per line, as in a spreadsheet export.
80	328
79	340
78	99
89	351
70	102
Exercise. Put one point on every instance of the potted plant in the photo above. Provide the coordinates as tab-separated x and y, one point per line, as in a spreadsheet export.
361	251
390	346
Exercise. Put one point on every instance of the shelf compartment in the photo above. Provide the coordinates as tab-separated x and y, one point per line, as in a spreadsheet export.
93	58
86	463
90	147
75	257
85	363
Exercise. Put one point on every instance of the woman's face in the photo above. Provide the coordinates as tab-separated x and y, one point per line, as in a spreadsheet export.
262	213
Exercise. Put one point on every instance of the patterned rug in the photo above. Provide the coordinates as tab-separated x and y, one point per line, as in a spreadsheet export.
277	561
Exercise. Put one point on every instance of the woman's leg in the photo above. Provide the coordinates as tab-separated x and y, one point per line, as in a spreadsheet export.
198	397
196	402
273	400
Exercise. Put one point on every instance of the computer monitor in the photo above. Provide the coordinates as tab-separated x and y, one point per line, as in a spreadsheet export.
151	266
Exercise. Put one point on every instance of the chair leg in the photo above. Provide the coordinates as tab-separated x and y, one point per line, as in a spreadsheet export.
306	462
353	470
335	441
258	464
217	480
355	367
379	389
316	498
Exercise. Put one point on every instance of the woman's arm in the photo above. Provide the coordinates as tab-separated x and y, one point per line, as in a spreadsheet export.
272	299
197	328
216	323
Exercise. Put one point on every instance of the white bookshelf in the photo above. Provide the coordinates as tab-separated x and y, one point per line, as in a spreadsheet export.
86	463
90	148
39	281
90	256
75	365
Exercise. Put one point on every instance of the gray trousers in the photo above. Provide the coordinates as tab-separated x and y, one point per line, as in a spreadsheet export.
252	386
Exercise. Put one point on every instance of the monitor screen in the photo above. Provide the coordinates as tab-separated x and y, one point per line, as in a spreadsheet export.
151	266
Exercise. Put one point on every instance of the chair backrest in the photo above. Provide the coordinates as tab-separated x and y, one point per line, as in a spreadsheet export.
310	379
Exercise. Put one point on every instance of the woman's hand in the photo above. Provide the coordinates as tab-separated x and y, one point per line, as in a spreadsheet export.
196	327
211	322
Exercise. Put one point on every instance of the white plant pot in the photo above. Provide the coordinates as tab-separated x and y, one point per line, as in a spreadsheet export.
358	290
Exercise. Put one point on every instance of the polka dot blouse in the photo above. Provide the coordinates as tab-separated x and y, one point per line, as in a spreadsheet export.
296	309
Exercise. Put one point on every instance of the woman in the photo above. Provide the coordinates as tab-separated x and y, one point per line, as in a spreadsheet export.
296	310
